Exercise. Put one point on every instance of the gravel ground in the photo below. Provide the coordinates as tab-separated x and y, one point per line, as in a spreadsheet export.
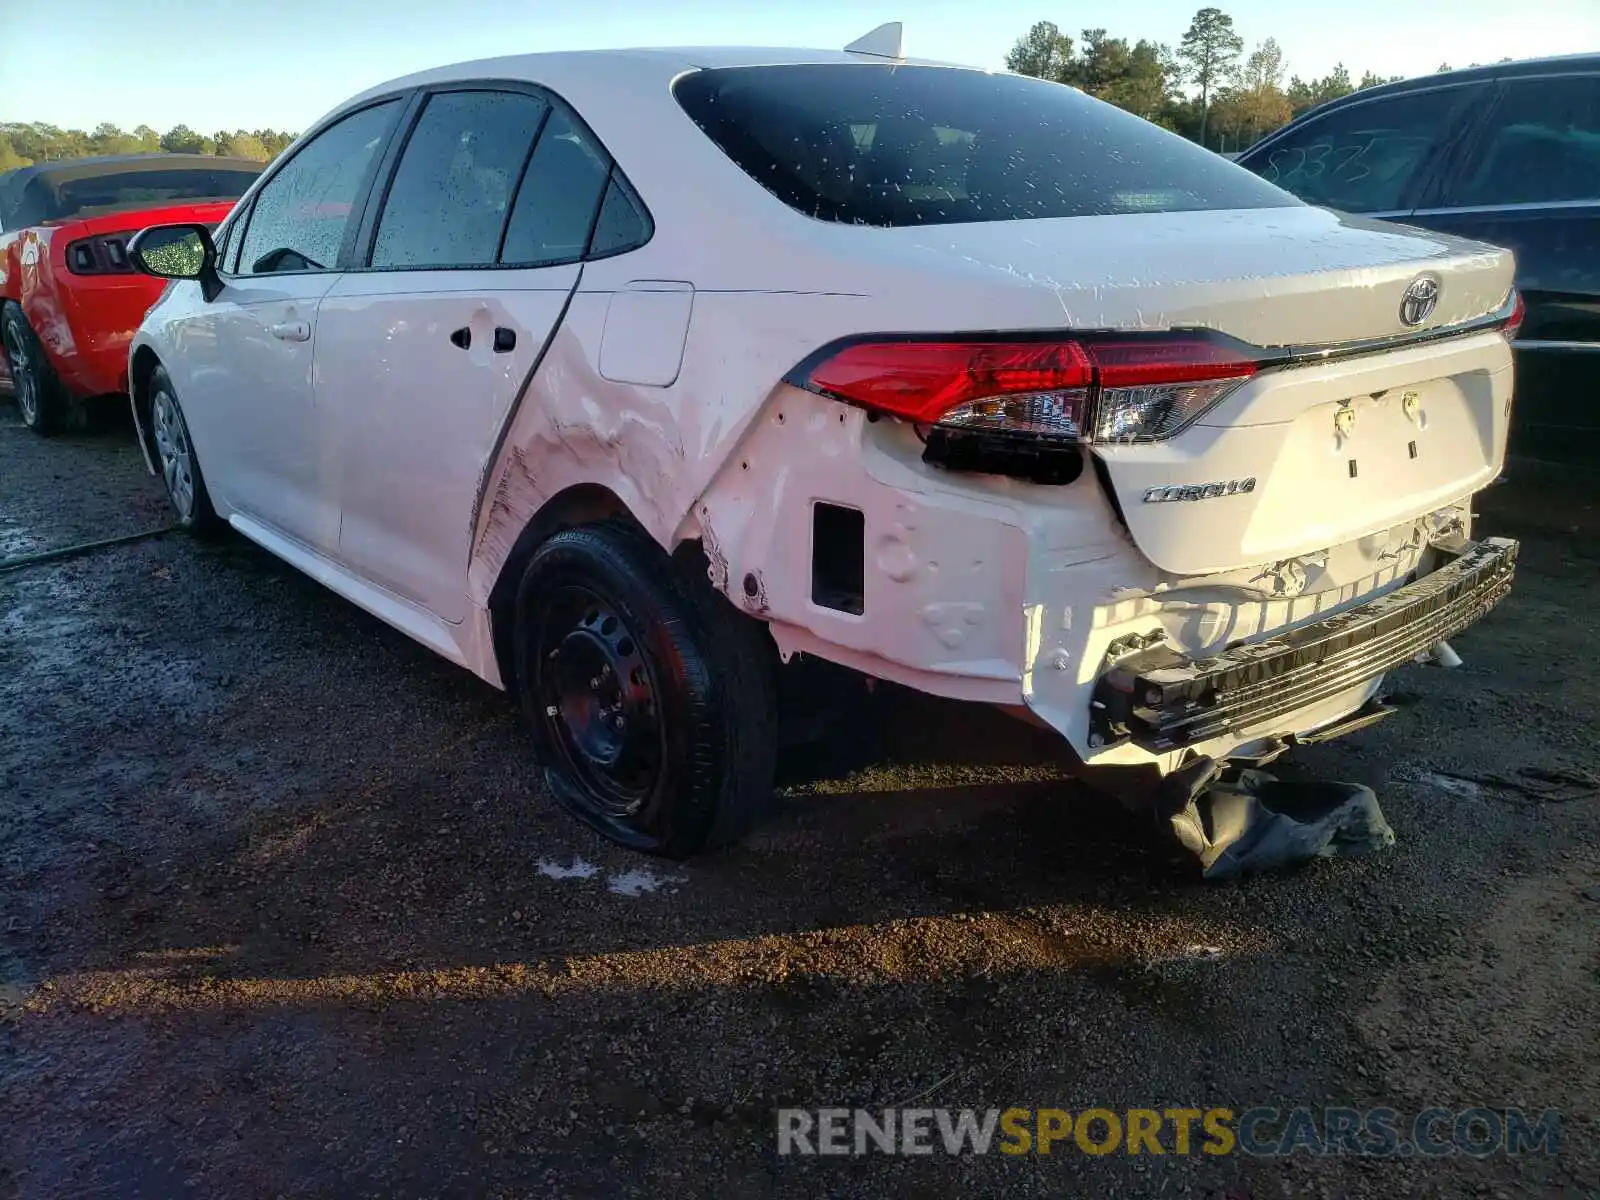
282	914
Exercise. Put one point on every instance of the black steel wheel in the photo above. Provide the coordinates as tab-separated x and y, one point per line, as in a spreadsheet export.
650	698
599	700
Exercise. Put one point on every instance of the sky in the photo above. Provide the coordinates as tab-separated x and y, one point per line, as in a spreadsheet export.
280	64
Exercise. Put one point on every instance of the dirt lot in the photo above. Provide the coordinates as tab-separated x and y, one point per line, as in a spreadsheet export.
281	914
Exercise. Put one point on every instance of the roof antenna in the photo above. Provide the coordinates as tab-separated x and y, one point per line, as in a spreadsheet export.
883	42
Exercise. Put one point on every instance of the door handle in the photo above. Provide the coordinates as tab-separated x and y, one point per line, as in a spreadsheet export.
292	331
505	340
462	338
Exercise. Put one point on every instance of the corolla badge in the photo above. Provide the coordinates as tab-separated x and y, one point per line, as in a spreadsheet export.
1199	491
1422	296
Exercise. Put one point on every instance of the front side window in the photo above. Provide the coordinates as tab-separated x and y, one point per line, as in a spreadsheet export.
223	243
451	194
1361	158
300	215
897	145
1541	145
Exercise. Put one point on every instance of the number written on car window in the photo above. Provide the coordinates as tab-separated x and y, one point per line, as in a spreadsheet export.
1364	157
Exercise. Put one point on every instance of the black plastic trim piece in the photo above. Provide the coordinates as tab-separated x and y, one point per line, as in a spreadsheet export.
1052	461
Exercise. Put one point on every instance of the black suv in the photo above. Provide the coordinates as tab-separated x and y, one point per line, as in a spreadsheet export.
1508	154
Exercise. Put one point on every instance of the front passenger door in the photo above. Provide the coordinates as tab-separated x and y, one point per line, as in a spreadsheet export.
247	355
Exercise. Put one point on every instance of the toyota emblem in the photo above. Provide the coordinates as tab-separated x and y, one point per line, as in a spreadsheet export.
1421	297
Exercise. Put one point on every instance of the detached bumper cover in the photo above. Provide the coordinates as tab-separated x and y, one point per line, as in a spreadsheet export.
1160	700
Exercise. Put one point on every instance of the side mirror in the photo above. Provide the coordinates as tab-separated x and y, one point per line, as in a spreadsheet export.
177	252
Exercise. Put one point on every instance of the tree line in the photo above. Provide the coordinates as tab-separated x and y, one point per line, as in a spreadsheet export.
23	143
1205	88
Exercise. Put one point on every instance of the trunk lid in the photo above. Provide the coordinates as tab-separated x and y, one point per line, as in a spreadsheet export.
210	212
1423	421
1272	277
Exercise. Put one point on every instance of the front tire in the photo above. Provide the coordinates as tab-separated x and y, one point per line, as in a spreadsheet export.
649	697
175	458
38	392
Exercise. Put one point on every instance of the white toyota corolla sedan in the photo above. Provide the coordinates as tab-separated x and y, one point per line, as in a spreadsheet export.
622	378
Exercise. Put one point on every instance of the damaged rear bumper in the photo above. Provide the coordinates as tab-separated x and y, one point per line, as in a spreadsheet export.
1159	700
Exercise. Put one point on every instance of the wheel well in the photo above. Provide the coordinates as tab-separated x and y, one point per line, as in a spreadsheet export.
139	371
577	505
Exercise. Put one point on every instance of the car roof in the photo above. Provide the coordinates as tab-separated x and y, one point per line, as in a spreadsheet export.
1562	64
559	69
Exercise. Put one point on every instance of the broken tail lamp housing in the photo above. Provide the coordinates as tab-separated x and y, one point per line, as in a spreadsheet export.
1014	406
1514	309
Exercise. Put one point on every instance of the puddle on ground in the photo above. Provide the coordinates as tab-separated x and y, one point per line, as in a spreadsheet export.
15	542
1449	783
636	881
577	870
641	880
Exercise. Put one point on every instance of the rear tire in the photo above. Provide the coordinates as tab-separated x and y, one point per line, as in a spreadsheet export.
651	700
176	459
40	398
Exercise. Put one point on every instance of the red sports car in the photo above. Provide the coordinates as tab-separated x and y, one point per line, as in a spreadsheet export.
69	298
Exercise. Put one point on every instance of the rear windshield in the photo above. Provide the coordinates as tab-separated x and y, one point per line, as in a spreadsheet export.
895	145
107	193
50	198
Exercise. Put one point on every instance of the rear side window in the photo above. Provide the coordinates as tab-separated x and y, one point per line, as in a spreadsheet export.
893	145
452	191
557	203
622	224
1361	158
1541	145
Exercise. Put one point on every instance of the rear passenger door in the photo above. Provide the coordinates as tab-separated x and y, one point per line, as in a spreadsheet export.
1530	181
1374	157
470	258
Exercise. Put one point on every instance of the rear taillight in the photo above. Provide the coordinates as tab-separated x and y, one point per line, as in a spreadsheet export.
104	254
1149	390
1513	321
976	384
1101	389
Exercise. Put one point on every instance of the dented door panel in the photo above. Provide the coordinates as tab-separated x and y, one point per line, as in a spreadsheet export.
412	377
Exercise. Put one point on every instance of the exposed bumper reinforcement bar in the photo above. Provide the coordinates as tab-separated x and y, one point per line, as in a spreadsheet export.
1160	700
